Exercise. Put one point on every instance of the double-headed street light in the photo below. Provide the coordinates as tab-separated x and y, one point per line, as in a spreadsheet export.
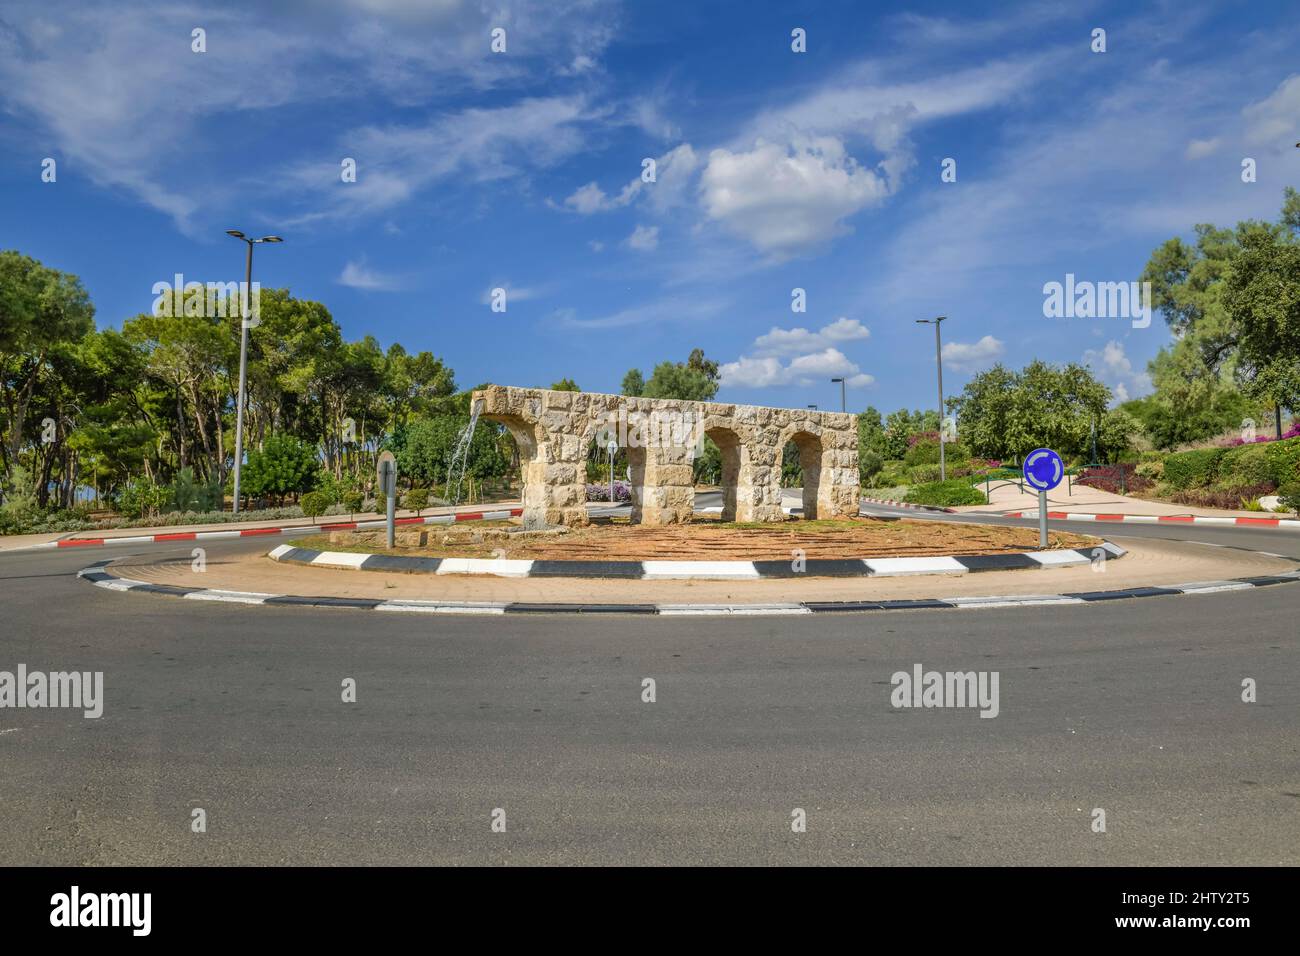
844	406
938	361
243	350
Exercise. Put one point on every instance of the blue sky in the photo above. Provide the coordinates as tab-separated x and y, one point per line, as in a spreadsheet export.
775	170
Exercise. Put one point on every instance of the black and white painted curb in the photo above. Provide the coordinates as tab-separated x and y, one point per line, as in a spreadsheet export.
98	575
700	570
907	504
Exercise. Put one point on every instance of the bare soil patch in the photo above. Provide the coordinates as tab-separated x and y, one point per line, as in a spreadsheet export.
706	539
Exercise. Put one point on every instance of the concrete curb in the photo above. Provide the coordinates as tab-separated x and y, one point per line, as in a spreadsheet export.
257	532
100	577
1241	522
698	570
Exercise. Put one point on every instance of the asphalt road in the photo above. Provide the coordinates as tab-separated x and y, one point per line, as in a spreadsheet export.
1133	707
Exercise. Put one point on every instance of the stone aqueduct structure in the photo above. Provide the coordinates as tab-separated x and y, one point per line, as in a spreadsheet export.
553	431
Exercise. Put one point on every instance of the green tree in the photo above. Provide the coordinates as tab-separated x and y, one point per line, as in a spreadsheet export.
1262	297
1196	377
565	385
40	309
284	466
633	383
1006	414
695	380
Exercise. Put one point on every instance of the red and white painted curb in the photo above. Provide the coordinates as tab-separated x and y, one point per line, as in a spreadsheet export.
1162	519
257	532
908	504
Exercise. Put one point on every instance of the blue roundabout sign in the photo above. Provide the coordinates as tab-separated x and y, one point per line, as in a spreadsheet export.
1043	469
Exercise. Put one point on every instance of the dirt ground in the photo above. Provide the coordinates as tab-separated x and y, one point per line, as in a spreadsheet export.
712	540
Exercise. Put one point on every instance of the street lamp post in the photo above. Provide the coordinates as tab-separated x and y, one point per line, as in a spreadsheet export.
243	351
938	361
844	405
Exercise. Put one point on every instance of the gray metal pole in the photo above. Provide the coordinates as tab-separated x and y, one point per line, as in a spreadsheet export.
938	359
844	401
1042	519
611	476
243	371
391	483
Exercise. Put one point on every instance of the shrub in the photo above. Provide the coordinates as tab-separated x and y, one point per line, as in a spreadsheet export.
924	450
314	504
1246	465
622	492
1154	470
869	465
1284	460
189	494
892	473
141	498
1228	498
20	506
352	501
417	499
1288	496
1115	479
284	465
945	494
1193	469
923	474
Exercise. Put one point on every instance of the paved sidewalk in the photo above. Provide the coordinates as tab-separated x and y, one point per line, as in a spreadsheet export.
1082	499
19	542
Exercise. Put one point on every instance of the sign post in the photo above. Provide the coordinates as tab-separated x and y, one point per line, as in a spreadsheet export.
386	475
1043	470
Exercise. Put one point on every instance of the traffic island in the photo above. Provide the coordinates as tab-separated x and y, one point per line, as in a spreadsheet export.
701	538
1150	568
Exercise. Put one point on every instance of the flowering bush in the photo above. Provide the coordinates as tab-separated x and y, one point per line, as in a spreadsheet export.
622	492
1292	432
1116	479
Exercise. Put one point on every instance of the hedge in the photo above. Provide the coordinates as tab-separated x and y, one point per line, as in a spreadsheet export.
1246	465
1192	469
1284	460
946	494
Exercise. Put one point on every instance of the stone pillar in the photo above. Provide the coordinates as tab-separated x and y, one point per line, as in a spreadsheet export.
551	455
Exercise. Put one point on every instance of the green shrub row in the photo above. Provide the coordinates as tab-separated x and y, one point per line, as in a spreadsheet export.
1277	462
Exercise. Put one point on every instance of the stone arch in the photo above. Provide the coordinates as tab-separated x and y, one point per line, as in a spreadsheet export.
737	475
530	439
815	461
811	456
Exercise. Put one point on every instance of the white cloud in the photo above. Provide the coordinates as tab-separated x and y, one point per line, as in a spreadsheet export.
1272	121
673	174
1115	369
808	369
643	239
514	293
1200	148
472	145
788	200
681	309
358	275
97	83
780	341
971	356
